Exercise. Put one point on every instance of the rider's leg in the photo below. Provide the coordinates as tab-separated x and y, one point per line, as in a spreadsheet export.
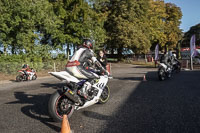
87	85
83	91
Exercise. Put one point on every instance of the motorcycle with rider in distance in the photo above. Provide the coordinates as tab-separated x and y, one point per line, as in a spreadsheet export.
164	71
67	99
26	74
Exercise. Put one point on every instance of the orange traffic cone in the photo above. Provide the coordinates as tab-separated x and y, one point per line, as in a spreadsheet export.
144	78
65	125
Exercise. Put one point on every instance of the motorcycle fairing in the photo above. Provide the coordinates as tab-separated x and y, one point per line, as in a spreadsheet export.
63	75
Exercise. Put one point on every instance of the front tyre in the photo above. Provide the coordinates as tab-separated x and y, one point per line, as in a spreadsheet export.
59	105
161	74
104	95
19	78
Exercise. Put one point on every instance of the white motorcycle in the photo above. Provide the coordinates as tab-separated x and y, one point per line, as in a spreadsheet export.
164	72
66	100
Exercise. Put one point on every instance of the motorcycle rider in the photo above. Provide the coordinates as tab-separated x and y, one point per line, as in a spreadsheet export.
175	62
25	68
81	63
174	59
28	71
166	59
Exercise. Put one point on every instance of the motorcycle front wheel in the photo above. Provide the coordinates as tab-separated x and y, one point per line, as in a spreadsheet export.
161	74
104	95
59	105
19	78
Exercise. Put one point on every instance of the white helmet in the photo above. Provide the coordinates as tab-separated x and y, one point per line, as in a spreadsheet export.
174	55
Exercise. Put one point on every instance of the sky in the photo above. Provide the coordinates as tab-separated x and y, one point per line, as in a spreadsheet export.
190	10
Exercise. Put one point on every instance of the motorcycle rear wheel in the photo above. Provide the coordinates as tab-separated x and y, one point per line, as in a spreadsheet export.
59	105
34	77
178	68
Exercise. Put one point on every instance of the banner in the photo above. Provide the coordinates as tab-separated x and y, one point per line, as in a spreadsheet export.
192	46
157	52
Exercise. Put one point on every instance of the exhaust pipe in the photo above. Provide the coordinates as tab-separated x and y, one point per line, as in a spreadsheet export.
71	97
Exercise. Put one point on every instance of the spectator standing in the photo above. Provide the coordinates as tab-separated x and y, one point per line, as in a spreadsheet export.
102	58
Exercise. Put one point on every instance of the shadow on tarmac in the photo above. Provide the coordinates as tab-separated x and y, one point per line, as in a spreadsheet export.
37	108
157	106
54	86
129	78
14	81
145	67
95	115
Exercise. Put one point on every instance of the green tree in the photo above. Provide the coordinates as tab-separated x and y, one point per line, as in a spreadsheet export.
5	17
127	25
79	20
194	30
23	22
156	18
32	25
172	22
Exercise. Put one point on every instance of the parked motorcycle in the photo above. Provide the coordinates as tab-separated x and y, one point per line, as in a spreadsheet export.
164	72
25	75
67	99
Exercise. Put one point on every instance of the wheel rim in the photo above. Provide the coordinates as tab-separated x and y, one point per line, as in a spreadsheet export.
105	94
63	106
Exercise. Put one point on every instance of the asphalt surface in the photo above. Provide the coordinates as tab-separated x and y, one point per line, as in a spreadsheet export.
135	106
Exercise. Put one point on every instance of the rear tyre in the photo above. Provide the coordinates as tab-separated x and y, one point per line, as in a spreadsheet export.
34	77
105	95
59	105
178	68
